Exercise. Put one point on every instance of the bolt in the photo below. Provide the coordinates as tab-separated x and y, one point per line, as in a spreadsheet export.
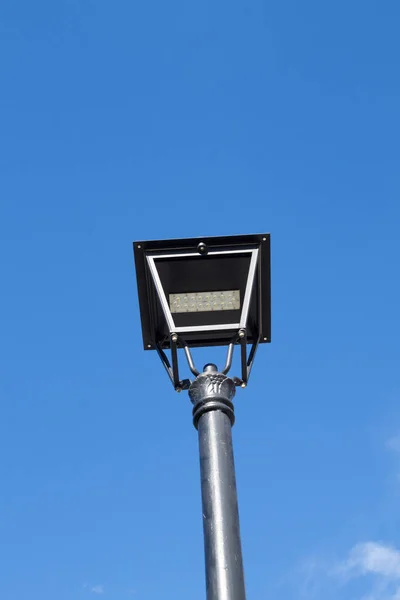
243	385
174	337
265	339
202	248
264	239
149	345
242	333
139	246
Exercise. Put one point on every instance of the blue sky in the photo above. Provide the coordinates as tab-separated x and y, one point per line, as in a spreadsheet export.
123	121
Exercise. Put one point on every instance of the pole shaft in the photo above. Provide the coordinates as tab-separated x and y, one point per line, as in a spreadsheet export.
223	553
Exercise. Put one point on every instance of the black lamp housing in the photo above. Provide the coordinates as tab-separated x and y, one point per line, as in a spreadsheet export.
208	291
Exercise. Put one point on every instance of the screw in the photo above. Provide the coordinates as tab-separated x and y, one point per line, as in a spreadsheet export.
138	246
264	239
265	339
243	385
202	248
178	389
149	345
242	333
174	337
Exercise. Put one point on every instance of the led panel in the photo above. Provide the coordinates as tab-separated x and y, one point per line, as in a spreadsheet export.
204	301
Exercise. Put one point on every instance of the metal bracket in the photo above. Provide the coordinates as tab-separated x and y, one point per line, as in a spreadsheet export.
247	361
190	359
229	357
173	371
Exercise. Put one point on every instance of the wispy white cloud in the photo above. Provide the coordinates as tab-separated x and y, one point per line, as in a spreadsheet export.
372	558
393	443
372	567
380	563
98	589
313	575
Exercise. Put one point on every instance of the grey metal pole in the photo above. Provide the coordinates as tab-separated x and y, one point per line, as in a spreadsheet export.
213	416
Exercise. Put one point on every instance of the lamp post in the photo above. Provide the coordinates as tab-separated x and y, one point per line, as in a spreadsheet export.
213	416
211	292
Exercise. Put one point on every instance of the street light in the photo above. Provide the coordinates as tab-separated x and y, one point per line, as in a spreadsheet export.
211	291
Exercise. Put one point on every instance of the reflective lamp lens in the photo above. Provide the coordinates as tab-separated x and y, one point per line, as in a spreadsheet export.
204	301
